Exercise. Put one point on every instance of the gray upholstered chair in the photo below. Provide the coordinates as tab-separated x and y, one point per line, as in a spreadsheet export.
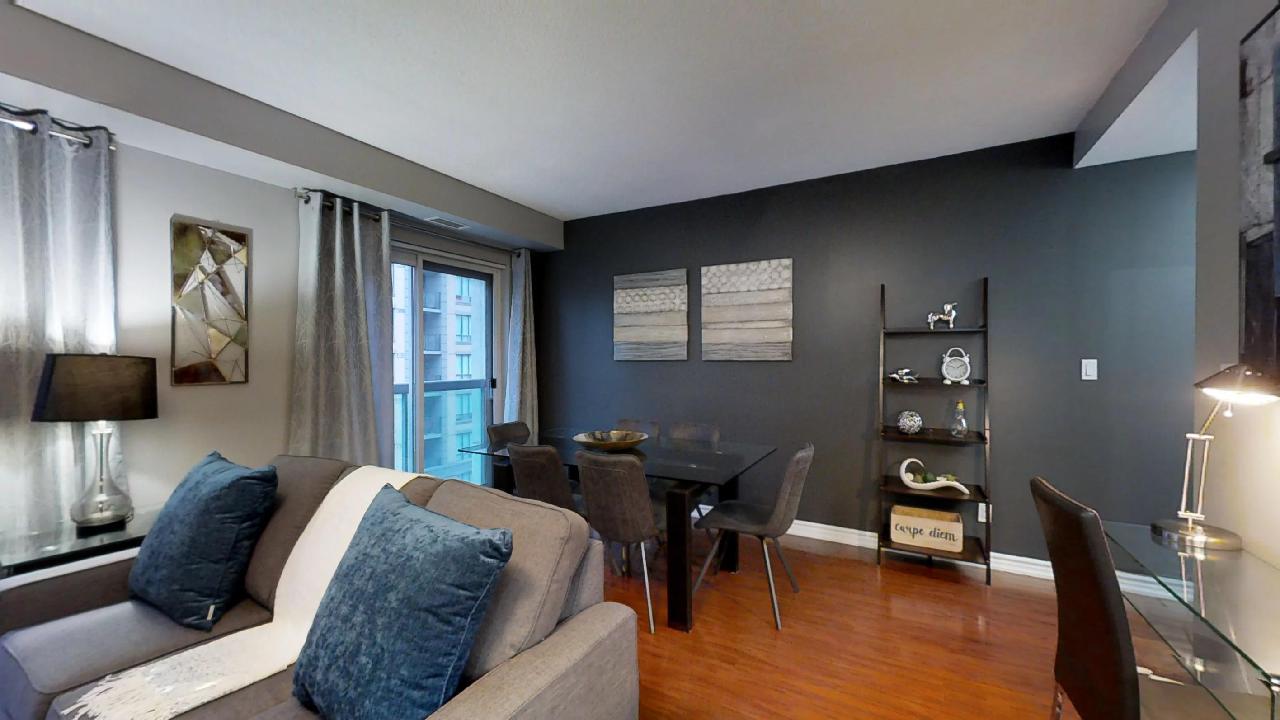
510	432
617	497
539	475
648	427
763	522
694	432
500	436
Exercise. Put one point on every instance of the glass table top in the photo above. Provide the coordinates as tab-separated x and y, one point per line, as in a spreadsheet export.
691	461
65	542
1215	610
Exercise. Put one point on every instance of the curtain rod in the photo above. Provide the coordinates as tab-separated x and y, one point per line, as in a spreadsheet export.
69	127
397	218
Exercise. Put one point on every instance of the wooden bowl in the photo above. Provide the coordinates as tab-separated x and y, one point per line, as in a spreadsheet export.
610	440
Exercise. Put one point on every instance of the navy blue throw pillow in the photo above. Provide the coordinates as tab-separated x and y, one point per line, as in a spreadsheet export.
192	563
397	622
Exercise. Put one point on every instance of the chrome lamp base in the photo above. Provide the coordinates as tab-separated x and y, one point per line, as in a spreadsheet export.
1194	535
103	502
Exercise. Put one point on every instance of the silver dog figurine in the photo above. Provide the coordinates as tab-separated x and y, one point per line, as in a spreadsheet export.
948	313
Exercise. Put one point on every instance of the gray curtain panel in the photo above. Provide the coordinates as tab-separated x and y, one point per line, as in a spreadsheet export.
57	275
521	401
342	389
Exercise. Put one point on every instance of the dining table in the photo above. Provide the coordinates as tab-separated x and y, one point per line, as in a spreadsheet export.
685	471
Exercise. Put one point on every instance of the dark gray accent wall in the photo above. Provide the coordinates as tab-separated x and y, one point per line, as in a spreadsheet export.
1097	262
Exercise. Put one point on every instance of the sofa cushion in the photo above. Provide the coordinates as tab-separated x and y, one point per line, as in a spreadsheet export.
41	662
549	543
420	489
302	484
396	624
192	564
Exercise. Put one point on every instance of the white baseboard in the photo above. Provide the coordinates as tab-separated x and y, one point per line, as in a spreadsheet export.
1000	562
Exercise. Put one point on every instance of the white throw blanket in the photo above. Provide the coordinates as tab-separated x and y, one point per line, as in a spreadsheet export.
173	685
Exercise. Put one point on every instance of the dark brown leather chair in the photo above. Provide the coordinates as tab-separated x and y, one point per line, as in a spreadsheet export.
695	432
539	475
618	508
764	522
1095	665
648	427
500	436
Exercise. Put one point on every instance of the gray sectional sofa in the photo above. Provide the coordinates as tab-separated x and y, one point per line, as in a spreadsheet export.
550	647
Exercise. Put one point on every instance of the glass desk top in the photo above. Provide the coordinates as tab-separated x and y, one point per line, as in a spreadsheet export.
691	461
64	543
1215	610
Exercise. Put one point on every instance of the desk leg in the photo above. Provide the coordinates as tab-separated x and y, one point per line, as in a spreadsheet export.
680	500
503	478
729	491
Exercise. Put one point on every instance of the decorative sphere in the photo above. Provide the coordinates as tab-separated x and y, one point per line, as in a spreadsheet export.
910	422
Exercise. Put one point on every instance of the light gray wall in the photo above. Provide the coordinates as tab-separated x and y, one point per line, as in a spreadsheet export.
245	422
43	51
1097	262
1245	463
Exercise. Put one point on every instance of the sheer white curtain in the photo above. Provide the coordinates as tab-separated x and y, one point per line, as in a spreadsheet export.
57	295
521	401
342	374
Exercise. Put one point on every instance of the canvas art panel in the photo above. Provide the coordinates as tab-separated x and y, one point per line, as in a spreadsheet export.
210	302
651	316
746	311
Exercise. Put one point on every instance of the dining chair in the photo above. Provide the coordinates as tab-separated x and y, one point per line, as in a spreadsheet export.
1095	665
648	427
500	436
539	475
617	499
763	522
695	432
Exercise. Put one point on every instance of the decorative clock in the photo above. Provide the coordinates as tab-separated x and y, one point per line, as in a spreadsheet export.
956	367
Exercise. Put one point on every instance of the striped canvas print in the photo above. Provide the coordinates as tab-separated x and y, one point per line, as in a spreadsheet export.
650	316
746	311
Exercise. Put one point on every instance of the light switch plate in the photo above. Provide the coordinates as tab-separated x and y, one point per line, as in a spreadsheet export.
1089	369
983	513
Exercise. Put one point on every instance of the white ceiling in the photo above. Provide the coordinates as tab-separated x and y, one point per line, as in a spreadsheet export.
1161	118
584	107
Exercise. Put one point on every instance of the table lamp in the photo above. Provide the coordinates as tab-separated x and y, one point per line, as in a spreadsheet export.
1238	385
96	389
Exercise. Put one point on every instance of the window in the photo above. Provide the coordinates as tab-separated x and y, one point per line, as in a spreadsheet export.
463	440
464	407
464	366
464	290
464	329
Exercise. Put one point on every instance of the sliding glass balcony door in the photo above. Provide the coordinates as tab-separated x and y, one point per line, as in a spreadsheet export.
443	358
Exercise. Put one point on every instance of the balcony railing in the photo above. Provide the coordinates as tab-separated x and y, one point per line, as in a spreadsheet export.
464	376
463	417
464	339
433	343
462	299
432	301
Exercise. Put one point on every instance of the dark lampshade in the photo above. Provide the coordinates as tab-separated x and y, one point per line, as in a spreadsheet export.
86	388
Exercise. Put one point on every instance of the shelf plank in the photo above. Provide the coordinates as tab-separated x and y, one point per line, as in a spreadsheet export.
973	551
894	486
934	382
934	436
924	330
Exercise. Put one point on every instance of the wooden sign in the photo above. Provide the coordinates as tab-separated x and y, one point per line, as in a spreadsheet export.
931	529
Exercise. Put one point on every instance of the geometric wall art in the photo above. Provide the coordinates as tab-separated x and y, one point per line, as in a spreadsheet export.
651	316
746	311
210	302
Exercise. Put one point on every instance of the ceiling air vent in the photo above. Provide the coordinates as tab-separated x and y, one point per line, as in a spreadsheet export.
446	223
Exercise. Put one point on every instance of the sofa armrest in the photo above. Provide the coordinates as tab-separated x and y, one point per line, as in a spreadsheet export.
44	595
586	669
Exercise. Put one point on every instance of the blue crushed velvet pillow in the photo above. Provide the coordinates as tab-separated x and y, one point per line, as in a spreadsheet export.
192	563
397	622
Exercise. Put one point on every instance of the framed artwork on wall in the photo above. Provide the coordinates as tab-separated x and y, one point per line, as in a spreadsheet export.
1259	153
651	316
746	311
209	302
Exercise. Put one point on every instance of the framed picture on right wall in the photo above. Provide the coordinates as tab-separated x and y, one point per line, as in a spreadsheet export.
746	311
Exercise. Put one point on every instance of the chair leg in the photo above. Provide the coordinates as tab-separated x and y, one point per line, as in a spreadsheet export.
715	546
626	560
648	601
1055	712
697	510
795	586
773	594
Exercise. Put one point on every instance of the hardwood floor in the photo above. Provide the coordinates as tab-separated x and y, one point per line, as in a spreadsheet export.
897	642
